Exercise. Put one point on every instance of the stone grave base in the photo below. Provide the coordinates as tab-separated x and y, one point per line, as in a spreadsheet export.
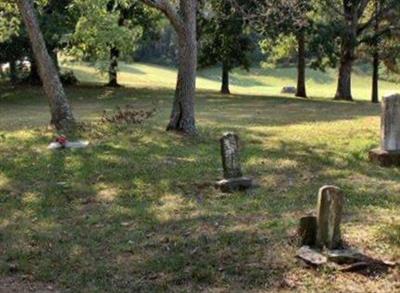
385	158
234	184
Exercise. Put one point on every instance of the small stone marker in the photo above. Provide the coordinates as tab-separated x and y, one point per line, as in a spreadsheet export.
308	230
68	145
311	256
289	90
329	216
389	152
233	176
234	184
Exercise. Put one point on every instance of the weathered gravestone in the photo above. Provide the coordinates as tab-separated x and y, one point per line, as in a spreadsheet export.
308	230
233	176
389	152
329	216
230	155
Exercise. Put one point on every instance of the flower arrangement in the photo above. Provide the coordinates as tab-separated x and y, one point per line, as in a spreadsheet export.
62	140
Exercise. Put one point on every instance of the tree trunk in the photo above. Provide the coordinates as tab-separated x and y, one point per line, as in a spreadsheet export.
344	82
376	61
61	114
375	78
183	115
301	66
225	79
347	52
113	69
13	72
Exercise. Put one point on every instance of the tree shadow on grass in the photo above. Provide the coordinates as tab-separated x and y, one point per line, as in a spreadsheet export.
262	110
235	78
123	214
291	73
255	110
63	232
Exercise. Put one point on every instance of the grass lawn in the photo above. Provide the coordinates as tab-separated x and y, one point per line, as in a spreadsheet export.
137	211
257	81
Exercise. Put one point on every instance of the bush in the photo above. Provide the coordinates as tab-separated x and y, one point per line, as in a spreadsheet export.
126	115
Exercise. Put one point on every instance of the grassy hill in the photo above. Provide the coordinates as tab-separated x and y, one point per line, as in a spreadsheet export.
257	81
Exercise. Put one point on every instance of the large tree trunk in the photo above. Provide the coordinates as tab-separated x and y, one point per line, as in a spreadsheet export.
225	79
376	60
183	115
113	69
347	52
344	81
301	66
375	78
61	114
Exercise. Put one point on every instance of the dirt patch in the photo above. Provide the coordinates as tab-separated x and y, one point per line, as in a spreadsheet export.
13	284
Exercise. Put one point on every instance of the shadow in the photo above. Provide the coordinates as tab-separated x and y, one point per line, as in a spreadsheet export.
262	110
95	213
236	77
90	99
290	73
366	266
137	210
124	68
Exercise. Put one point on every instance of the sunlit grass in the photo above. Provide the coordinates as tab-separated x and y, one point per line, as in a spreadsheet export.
257	81
137	210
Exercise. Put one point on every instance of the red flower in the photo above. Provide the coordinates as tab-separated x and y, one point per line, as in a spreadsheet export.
62	140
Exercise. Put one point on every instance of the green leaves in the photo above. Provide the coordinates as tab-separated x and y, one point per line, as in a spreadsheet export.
9	21
223	36
102	26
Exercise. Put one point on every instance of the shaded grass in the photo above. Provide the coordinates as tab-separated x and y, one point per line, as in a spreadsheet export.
137	210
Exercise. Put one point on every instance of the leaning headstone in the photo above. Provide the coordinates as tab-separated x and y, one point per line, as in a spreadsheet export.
308	230
329	216
389	152
233	176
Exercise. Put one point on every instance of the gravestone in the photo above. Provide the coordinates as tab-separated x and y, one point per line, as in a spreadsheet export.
233	176
80	144
329	216
389	152
308	230
230	156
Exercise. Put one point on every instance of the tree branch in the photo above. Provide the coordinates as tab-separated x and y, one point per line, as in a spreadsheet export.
169	10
